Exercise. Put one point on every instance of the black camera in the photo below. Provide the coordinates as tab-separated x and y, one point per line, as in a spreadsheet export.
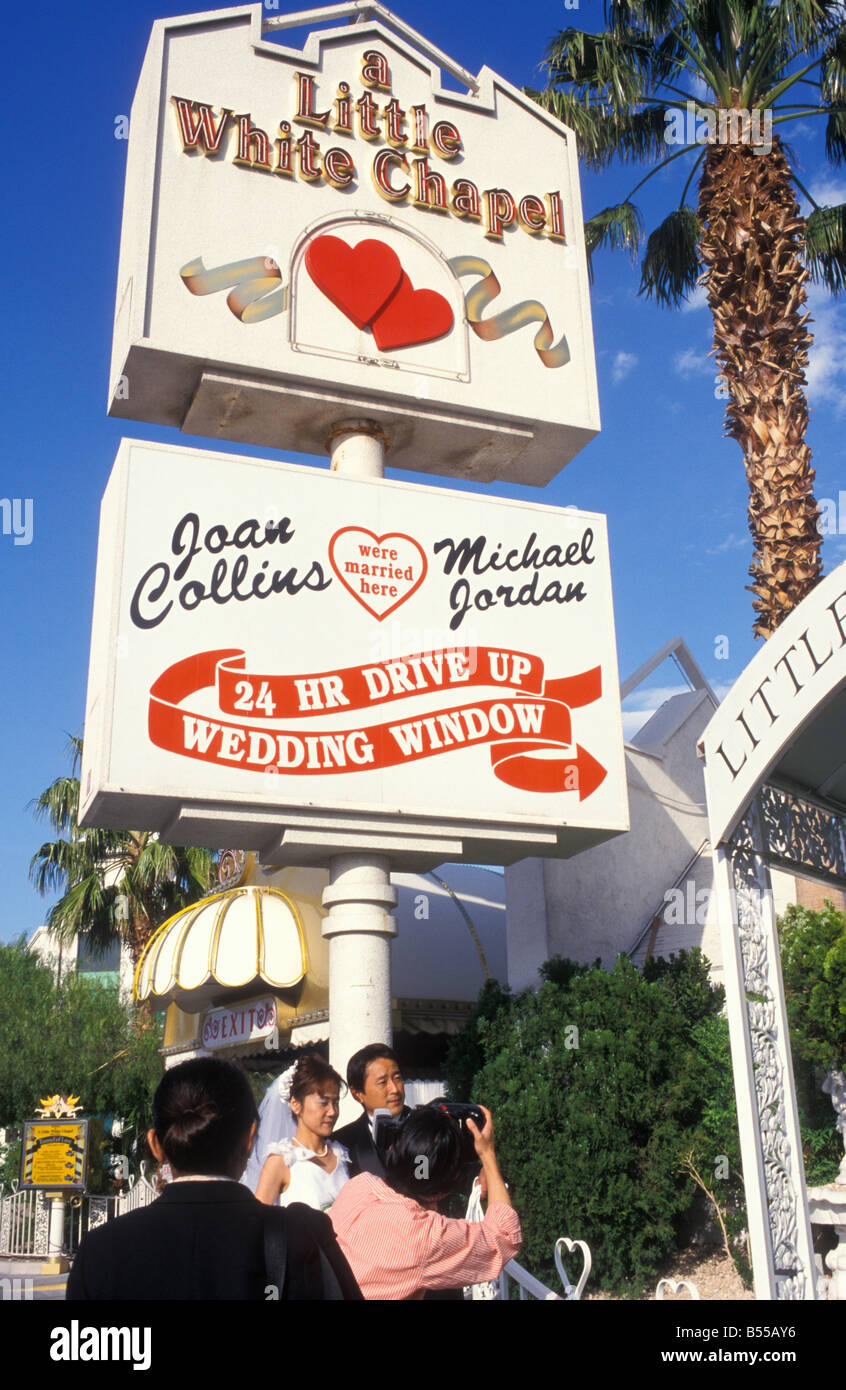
386	1127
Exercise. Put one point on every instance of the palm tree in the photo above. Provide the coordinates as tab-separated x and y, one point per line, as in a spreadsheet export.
709	77
114	883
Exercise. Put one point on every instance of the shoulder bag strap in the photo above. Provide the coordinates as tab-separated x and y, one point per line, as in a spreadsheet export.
276	1247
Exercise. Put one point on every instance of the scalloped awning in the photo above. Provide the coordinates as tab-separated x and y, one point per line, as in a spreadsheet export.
239	939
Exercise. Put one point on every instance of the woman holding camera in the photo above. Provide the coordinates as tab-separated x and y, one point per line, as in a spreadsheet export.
397	1243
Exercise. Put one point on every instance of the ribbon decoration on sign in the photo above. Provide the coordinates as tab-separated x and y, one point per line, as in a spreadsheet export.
256	294
256	289
510	320
528	728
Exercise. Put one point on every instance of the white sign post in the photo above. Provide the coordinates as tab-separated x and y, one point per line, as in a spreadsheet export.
330	249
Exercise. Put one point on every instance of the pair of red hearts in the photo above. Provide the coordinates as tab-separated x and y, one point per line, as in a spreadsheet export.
368	284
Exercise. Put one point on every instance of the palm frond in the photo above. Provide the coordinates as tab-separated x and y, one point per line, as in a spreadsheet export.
833	71
637	134
88	907
73	748
58	805
615	227
654	17
835	135
617	67
808	25
603	134
825	246
59	864
670	267
669	58
586	120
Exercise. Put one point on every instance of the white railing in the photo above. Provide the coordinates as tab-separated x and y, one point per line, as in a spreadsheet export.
529	1286
139	1193
25	1217
24	1224
674	1288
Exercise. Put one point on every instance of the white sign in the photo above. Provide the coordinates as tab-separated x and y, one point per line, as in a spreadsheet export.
782	689
286	658
312	234
240	1024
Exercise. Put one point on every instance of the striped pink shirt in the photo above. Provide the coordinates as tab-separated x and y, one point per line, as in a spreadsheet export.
398	1249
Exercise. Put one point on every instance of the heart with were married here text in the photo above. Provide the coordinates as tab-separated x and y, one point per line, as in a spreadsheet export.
380	572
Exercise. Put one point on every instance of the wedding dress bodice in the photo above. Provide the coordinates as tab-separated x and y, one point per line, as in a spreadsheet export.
309	1182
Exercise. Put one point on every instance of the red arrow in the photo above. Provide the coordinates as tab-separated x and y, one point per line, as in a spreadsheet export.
585	773
514	765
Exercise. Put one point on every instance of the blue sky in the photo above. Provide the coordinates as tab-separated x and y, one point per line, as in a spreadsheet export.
673	488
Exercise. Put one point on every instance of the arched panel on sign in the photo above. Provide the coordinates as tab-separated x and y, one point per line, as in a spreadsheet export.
368	286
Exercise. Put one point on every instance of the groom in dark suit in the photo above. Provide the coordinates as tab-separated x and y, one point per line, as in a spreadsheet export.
375	1080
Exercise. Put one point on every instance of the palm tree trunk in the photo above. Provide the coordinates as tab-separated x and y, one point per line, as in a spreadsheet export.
755	280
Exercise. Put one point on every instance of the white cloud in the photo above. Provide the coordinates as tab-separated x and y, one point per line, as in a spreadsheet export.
643	702
697	300
633	723
693	363
829	191
649	698
826	372
731	542
624	362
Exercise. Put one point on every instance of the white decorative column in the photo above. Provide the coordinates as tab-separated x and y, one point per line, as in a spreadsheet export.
55	1262
359	926
768	1122
359	929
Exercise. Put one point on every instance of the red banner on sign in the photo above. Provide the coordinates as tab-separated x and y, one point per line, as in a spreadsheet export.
528	727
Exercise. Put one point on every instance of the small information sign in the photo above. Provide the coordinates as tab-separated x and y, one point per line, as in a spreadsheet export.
54	1153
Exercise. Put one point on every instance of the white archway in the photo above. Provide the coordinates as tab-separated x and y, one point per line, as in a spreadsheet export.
775	778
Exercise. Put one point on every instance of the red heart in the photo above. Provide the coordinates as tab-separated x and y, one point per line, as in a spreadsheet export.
359	280
412	316
395	566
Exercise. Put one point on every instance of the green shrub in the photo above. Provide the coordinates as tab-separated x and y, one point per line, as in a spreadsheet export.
77	1038
599	1087
813	963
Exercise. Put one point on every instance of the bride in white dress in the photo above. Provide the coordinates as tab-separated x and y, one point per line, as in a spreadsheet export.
305	1165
